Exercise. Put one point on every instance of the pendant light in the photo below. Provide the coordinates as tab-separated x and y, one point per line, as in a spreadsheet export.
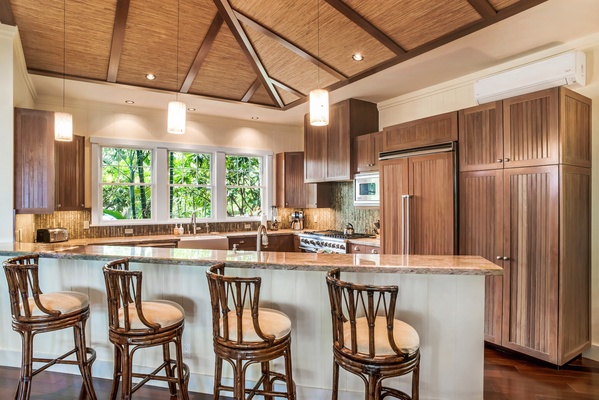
176	109
319	98
63	121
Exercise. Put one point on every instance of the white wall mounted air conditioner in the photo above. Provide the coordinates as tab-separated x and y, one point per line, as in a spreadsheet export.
564	69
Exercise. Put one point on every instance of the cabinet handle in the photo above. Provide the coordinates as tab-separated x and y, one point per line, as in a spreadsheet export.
356	248
286	204
241	241
506	159
375	251
505	258
499	160
499	257
58	206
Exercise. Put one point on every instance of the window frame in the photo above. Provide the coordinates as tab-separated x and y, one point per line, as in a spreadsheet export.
159	185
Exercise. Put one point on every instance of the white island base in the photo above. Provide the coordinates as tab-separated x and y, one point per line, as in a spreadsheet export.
446	311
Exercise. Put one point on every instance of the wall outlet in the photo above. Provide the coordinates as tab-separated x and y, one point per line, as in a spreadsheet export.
247	226
187	350
129	231
85	224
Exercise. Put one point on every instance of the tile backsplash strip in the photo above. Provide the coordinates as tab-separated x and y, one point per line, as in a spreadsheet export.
336	217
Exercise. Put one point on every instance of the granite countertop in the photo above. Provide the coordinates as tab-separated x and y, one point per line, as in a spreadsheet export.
373	263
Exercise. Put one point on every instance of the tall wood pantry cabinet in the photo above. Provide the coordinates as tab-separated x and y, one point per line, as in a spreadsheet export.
328	150
525	203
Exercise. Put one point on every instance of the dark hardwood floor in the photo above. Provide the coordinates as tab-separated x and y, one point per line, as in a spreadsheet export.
507	377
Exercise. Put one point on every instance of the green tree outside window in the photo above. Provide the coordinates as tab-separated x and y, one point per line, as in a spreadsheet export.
243	179
190	184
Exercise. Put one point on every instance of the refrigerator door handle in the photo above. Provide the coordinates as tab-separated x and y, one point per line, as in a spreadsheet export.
405	224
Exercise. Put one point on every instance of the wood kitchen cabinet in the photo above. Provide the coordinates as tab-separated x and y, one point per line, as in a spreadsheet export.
243	242
417	198
34	161
533	221
355	248
275	243
437	129
69	188
328	151
291	191
540	128
366	151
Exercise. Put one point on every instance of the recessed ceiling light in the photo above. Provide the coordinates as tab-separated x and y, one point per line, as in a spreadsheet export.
255	118
150	77
357	57
129	102
191	109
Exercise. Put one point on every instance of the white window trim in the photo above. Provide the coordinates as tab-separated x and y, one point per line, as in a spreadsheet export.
160	212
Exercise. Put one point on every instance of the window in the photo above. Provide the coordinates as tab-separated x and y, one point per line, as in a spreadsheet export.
126	183
244	185
139	182
190	184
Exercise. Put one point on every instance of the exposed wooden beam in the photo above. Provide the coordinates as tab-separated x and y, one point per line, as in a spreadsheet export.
118	38
483	7
289	45
244	42
6	16
367	26
248	95
288	88
203	51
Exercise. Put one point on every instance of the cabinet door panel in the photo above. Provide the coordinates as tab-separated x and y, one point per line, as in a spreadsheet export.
69	174
394	184
481	137
363	153
431	225
315	151
423	132
34	161
338	144
377	147
481	234
531	129
531	279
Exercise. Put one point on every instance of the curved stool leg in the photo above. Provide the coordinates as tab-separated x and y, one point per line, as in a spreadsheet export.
416	382
265	366
335	391
85	365
218	371
116	373
182	378
166	355
24	387
126	373
289	380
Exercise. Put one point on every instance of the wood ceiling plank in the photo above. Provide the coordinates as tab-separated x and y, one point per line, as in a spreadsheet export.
261	97
234	25
483	7
289	45
6	16
501	4
366	25
217	22
118	37
248	95
288	88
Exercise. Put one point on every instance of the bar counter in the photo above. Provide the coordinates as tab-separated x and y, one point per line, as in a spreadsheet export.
442	297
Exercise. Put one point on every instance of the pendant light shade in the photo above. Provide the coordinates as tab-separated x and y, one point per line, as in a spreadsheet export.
319	107
176	117
63	126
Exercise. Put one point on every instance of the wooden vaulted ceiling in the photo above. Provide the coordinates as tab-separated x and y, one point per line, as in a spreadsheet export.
266	52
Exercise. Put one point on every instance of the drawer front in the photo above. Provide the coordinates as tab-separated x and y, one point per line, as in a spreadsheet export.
363	249
243	243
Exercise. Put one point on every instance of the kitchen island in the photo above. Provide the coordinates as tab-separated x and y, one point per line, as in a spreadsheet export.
442	297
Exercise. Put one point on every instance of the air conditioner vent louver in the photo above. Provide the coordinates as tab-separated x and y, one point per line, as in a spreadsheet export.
564	69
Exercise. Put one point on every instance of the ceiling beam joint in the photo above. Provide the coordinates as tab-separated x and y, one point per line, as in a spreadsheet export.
6	15
483	7
248	95
228	14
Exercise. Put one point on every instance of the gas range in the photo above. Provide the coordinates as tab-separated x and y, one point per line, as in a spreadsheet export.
327	241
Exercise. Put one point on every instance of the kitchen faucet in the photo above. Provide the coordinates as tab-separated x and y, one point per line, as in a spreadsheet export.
193	222
261	237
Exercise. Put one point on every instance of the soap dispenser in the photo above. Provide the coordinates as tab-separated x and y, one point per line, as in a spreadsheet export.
176	230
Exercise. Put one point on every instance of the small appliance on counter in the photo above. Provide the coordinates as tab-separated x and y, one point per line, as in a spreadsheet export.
297	220
274	224
52	235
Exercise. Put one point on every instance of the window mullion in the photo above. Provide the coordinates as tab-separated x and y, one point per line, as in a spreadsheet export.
220	190
161	181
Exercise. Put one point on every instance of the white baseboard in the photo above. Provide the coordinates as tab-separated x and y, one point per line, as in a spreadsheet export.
592	353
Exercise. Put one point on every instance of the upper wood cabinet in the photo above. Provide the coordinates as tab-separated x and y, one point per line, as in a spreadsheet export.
291	191
34	161
366	151
328	150
543	128
422	132
69	157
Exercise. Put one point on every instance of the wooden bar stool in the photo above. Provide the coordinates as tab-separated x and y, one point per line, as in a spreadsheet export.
35	312
135	324
245	334
367	339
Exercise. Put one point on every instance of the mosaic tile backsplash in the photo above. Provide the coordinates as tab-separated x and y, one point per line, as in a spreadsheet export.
336	217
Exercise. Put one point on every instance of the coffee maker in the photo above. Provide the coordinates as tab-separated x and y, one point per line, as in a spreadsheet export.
297	220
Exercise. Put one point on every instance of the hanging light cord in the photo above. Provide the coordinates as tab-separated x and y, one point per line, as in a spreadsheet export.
64	50
177	61
318	42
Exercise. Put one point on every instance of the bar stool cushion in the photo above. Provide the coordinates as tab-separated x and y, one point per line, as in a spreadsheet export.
163	312
406	337
65	302
272	322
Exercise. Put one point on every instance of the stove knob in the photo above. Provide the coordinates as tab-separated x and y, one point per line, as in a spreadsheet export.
311	241
342	247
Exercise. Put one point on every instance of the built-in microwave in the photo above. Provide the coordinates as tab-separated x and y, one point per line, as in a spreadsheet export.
366	190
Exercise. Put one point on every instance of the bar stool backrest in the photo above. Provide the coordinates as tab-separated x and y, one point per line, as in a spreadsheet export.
350	301
238	294
23	284
123	293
